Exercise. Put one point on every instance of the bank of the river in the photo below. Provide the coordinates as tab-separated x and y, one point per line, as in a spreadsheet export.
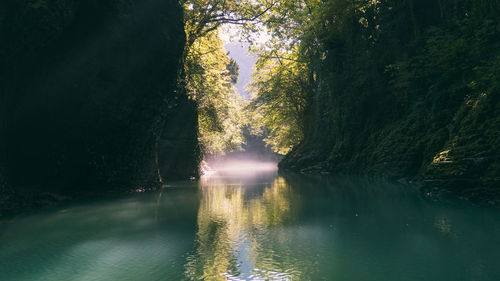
432	187
14	202
25	199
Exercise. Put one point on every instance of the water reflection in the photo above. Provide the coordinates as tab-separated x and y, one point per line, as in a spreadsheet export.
290	227
239	227
257	226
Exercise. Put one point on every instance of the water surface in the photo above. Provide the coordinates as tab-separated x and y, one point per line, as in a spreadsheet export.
235	225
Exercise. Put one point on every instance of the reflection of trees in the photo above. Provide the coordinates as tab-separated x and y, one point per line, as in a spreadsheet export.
230	215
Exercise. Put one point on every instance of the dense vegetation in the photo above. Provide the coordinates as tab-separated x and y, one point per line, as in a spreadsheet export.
392	88
210	78
209	75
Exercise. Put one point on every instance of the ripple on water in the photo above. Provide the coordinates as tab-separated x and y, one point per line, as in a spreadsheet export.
257	228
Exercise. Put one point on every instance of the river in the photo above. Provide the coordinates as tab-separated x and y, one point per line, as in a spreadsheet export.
247	222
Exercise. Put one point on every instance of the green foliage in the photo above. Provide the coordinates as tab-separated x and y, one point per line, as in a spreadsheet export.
280	83
282	103
209	77
204	16
283	76
234	70
209	74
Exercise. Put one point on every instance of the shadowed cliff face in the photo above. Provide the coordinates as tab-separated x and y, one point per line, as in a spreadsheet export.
178	150
86	87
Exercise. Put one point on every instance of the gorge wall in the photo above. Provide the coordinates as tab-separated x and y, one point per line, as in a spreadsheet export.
407	90
87	90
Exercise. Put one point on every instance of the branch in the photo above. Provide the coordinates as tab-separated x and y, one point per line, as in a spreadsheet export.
242	20
279	58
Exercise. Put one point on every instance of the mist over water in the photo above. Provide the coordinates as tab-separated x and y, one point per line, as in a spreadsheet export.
235	167
246	221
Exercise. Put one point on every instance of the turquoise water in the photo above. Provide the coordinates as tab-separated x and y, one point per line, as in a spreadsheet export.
257	226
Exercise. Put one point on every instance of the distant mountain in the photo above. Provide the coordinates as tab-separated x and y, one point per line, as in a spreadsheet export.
246	62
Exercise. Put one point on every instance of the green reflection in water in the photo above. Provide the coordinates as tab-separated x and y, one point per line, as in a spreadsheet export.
240	231
293	227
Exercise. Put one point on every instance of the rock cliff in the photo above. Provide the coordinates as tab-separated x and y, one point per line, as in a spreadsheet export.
87	91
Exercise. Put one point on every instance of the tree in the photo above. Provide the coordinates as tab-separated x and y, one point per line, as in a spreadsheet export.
279	88
209	82
283	76
205	16
234	71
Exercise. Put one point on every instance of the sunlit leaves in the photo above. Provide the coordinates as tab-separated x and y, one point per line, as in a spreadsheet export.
303	32
205	16
280	84
209	75
283	77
